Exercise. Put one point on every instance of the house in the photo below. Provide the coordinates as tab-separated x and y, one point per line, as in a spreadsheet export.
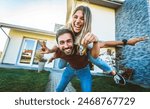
123	19
22	44
112	20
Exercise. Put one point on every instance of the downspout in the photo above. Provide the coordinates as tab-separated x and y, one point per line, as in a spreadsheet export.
6	46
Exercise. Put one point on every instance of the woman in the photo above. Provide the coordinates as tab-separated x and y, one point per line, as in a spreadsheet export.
80	24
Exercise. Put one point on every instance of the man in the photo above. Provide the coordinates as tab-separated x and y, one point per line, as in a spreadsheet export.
78	64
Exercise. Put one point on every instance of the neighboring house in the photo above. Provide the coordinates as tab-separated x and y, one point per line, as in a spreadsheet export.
22	44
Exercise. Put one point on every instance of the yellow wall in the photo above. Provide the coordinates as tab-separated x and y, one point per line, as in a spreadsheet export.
19	33
103	21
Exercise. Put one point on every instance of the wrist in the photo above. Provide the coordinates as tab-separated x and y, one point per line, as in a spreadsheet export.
96	41
125	41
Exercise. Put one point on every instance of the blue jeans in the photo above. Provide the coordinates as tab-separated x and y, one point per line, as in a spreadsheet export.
83	74
100	63
96	61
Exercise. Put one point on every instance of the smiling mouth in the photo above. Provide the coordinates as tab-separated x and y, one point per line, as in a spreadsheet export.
77	26
67	50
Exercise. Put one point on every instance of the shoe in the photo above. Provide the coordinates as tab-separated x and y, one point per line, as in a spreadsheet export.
119	79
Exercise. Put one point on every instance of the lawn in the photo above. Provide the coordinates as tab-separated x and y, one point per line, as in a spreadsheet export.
20	80
106	84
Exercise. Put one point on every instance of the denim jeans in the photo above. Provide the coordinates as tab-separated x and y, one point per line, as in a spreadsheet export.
100	63
96	61
62	63
83	75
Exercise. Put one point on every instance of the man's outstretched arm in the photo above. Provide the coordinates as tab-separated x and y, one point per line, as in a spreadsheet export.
46	50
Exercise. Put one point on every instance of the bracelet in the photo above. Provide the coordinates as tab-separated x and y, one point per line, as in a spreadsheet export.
124	41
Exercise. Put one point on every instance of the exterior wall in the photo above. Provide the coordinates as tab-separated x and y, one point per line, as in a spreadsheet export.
18	33
3	42
13	50
103	21
50	44
133	20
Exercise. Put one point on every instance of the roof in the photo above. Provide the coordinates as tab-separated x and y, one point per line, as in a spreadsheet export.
115	4
27	29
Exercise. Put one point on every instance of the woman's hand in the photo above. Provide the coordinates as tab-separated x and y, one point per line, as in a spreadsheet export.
133	41
88	38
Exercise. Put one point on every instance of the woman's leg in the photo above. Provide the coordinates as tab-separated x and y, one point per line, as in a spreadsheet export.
85	78
100	63
105	67
62	63
65	79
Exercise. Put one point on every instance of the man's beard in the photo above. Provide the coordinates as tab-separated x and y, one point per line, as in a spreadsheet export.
68	51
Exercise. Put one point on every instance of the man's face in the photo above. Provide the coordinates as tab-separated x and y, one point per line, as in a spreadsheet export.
65	43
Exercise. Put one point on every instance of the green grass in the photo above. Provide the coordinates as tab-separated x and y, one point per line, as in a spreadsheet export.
106	84
19	80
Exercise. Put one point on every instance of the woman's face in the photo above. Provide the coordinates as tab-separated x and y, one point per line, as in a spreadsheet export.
77	21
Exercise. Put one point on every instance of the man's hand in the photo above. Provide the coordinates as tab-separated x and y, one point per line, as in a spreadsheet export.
44	49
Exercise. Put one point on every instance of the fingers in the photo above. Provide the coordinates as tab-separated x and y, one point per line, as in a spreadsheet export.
133	41
44	49
88	38
50	60
142	38
84	40
145	38
43	44
43	52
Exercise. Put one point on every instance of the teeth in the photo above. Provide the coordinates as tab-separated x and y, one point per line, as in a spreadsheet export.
67	50
77	26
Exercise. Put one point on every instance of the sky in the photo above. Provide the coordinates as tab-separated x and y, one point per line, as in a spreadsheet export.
40	14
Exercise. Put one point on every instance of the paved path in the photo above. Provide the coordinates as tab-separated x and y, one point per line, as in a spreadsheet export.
54	79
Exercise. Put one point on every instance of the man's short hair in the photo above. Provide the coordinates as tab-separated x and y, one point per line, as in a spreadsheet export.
63	31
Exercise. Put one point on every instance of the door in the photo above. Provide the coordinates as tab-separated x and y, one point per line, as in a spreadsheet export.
37	49
30	48
27	52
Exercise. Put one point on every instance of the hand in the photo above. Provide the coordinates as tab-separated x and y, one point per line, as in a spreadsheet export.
135	40
44	49
88	38
53	57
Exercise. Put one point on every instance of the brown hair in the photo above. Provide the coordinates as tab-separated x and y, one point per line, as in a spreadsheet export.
63	31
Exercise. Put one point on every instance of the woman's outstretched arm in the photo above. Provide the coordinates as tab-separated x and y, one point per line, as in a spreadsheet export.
131	41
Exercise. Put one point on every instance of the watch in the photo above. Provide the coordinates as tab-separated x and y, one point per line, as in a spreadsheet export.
124	41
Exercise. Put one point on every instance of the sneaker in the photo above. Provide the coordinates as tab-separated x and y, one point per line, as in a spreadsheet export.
119	79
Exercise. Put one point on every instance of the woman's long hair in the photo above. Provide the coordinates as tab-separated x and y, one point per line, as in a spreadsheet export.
87	23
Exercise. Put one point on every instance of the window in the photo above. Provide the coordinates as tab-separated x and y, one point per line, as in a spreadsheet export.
29	49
